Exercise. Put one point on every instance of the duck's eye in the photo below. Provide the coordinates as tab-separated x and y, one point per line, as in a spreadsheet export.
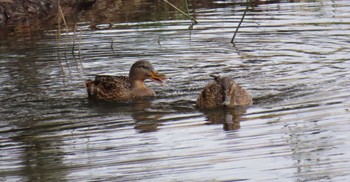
144	67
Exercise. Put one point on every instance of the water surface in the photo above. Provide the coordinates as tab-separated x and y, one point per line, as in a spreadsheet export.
293	57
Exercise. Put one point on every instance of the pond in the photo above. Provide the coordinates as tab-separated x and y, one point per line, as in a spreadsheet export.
292	56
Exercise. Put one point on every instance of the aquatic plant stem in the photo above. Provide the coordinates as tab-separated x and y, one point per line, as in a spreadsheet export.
79	51
188	12
58	37
73	47
194	21
112	47
240	22
77	61
67	34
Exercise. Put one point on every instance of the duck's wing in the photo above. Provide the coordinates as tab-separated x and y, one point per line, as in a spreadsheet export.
210	97
107	87
242	97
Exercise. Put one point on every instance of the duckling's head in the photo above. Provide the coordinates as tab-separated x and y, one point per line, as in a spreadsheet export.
142	70
228	87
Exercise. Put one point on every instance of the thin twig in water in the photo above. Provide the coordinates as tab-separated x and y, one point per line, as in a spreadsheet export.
79	52
73	47
158	41
112	46
58	37
186	4
67	34
240	22
188	12
194	21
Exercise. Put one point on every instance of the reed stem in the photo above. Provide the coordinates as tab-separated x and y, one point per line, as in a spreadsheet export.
194	21
249	2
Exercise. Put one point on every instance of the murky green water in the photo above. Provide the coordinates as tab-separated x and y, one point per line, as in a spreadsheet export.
292	56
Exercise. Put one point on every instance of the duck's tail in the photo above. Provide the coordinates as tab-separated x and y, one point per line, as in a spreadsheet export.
89	84
216	77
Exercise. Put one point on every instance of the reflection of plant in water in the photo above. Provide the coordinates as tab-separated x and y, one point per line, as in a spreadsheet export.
61	18
73	33
75	49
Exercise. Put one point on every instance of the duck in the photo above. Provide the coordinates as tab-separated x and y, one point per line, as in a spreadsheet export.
223	92
118	88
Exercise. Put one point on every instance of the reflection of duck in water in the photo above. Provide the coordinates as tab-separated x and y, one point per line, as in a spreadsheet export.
230	118
223	91
116	88
147	121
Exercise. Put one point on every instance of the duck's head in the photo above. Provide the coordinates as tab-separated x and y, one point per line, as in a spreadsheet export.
142	70
228	87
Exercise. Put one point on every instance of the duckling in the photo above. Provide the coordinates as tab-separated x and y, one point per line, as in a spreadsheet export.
223	91
117	88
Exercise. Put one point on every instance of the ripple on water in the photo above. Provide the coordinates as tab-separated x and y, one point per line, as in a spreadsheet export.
292	57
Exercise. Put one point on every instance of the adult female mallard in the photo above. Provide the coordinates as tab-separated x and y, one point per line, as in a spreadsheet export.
223	91
116	88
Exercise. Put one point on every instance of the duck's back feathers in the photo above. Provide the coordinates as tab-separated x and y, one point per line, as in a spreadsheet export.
223	91
211	96
106	87
241	98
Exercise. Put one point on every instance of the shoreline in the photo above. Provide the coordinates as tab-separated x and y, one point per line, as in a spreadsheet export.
14	12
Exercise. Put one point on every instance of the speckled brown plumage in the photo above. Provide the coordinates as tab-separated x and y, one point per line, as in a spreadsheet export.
223	91
115	88
211	96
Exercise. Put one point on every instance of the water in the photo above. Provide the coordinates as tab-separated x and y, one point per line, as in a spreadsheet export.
291	56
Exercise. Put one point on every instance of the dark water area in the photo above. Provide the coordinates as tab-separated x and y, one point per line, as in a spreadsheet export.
292	56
